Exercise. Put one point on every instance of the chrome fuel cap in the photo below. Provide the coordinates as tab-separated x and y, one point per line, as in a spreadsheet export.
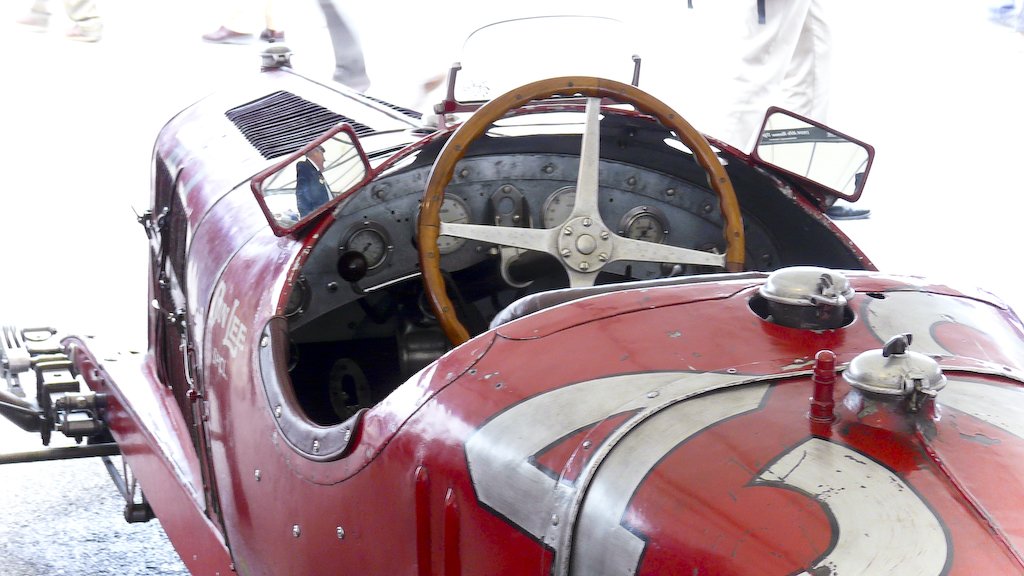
808	297
896	371
807	286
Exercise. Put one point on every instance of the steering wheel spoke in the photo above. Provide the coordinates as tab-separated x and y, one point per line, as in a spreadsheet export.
638	250
580	279
587	181
541	240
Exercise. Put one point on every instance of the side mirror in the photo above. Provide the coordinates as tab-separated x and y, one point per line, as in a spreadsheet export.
312	179
833	163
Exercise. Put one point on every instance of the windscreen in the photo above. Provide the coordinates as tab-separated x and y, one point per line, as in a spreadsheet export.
510	53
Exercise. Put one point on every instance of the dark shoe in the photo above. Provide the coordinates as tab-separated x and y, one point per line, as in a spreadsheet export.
269	35
847	213
223	35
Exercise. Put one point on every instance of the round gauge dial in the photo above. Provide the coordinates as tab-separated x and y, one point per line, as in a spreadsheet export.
454	210
372	242
558	206
644	223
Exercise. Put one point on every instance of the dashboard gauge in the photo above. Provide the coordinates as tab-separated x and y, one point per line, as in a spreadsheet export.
455	210
371	240
644	223
558	206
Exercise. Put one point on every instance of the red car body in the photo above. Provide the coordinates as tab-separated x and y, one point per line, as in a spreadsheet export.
292	418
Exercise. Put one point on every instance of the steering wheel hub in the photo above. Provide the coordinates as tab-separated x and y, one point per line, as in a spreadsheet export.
585	245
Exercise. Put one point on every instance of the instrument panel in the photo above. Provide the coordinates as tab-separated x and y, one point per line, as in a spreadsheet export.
536	190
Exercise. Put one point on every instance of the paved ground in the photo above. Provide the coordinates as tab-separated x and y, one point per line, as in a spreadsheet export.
934	86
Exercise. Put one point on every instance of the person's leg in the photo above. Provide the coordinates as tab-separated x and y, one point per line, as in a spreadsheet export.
86	16
349	65
38	15
805	84
239	16
41	7
767	53
235	24
273	32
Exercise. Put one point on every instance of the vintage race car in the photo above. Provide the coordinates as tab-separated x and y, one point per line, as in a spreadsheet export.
556	332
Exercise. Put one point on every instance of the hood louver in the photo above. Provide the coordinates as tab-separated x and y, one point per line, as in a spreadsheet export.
281	123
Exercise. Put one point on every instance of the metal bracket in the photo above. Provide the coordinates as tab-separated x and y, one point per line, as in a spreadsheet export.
136	507
59	402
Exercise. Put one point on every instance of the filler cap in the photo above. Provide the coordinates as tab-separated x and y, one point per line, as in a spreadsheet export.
896	371
807	297
807	286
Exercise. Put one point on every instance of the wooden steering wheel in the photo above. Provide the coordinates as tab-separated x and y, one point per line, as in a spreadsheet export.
583	243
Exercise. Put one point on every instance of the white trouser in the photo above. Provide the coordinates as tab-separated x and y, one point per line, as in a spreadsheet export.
785	62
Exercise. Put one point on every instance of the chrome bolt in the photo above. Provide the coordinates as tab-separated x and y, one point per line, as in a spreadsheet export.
296	531
341	533
554	519
258	475
264	342
670	192
277	411
566	253
605	235
587	444
548	168
584	266
603	257
631	180
567	230
316	446
587	222
463	173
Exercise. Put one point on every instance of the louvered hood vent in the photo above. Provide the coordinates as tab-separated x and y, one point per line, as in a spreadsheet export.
406	111
281	123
